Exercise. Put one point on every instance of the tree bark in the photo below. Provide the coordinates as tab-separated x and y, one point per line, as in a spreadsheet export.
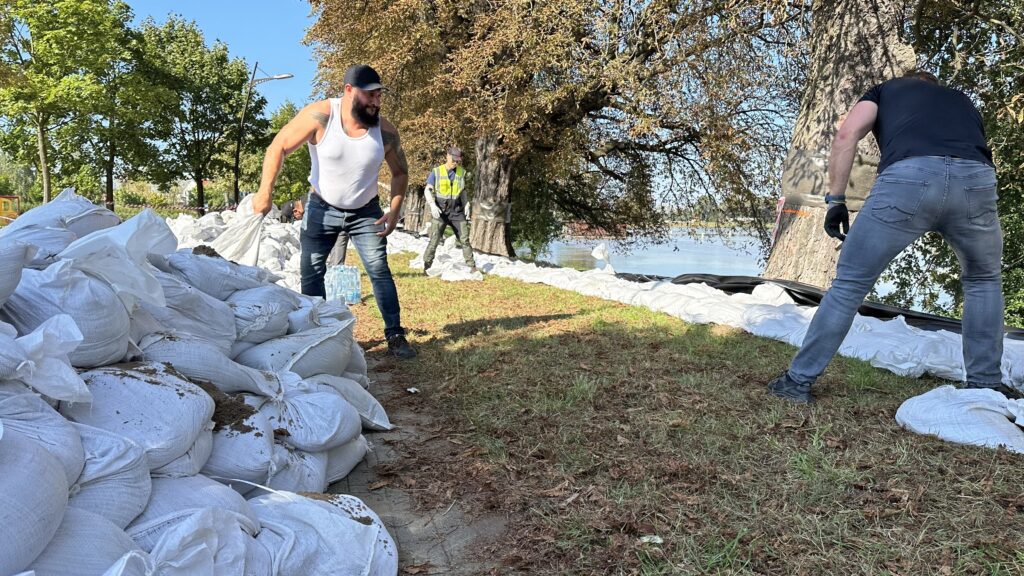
415	206
855	46
200	195
109	169
44	163
489	228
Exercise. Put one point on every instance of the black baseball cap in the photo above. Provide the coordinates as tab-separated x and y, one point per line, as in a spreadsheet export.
363	77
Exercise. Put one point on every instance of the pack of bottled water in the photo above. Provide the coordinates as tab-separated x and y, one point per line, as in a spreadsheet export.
342	283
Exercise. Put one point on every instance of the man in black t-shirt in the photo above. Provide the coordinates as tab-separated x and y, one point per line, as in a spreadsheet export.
935	174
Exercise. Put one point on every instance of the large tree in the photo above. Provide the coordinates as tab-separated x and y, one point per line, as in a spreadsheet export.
854	45
611	112
198	125
52	54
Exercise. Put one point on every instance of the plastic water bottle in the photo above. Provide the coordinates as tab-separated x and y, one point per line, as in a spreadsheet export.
351	286
332	283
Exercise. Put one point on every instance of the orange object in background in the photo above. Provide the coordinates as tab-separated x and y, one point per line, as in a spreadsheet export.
10	207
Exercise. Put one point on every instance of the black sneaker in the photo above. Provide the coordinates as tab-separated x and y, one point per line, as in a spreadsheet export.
785	387
1003	389
399	346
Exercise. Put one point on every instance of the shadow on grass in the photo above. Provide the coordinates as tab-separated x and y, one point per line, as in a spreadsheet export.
473	328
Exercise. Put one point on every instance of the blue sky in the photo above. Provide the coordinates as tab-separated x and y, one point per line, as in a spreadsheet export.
266	31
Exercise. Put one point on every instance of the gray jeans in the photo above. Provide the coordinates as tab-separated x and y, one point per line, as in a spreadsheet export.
951	196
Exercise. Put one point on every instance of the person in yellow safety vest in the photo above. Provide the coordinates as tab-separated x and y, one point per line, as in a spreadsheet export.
446	196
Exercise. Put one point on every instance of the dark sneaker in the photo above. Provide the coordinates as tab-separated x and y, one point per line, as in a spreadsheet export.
784	387
426	266
1001	388
399	346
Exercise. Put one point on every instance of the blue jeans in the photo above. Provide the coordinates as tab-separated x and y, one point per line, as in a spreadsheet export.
321	225
951	196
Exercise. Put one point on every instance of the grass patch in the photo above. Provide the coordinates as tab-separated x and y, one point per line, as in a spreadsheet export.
595	426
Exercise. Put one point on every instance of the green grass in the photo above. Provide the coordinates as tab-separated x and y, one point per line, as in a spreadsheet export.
598	424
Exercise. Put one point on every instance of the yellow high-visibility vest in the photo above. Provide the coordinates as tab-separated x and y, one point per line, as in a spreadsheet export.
445	188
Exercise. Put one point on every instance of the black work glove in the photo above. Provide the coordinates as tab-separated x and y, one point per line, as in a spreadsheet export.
837	221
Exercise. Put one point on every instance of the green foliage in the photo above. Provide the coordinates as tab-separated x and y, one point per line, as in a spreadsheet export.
293	180
978	48
198	126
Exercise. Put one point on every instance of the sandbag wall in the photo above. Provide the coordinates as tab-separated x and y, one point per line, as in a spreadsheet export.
161	411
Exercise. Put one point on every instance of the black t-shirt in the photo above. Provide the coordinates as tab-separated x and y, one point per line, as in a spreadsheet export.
918	118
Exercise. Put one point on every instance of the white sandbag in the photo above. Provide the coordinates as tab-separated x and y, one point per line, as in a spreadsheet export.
370	411
325	535
976	417
314	312
240	242
309	418
238	347
34	419
148	402
323	350
261	314
115	482
191	462
341	460
295	470
173	500
86	544
118	256
357	359
40	359
215	276
243	444
47	241
97	311
33	498
193	311
13	257
68	210
200	360
302	319
211	542
362	379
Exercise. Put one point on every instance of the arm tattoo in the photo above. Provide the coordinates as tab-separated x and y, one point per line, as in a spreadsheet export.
321	118
391	139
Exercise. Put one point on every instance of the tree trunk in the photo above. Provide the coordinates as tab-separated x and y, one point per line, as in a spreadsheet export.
109	169
489	229
44	164
200	196
415	206
855	46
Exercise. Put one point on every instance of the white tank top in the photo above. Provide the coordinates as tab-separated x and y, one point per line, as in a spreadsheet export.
344	170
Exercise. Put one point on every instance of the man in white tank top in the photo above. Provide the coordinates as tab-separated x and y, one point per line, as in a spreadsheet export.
347	141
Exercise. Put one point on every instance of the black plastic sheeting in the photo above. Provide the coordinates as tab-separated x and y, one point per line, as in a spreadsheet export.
807	295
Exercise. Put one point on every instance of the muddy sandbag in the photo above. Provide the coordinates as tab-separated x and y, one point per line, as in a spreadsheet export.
243	443
96	309
148	402
193	311
191	462
261	314
29	415
370	411
342	459
293	469
115	482
86	544
33	498
309	418
173	500
323	350
198	359
325	535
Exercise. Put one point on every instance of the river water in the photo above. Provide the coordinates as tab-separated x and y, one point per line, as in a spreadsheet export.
682	254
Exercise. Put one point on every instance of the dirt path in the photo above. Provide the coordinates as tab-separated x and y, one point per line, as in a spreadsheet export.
435	535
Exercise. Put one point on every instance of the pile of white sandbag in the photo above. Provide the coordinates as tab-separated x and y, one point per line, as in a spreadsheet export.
199	383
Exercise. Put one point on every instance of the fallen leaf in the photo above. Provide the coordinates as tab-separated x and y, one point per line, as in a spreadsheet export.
378	484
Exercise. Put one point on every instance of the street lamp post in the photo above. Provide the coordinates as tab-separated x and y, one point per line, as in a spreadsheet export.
253	81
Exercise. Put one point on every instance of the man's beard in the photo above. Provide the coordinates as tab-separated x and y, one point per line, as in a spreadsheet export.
359	110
